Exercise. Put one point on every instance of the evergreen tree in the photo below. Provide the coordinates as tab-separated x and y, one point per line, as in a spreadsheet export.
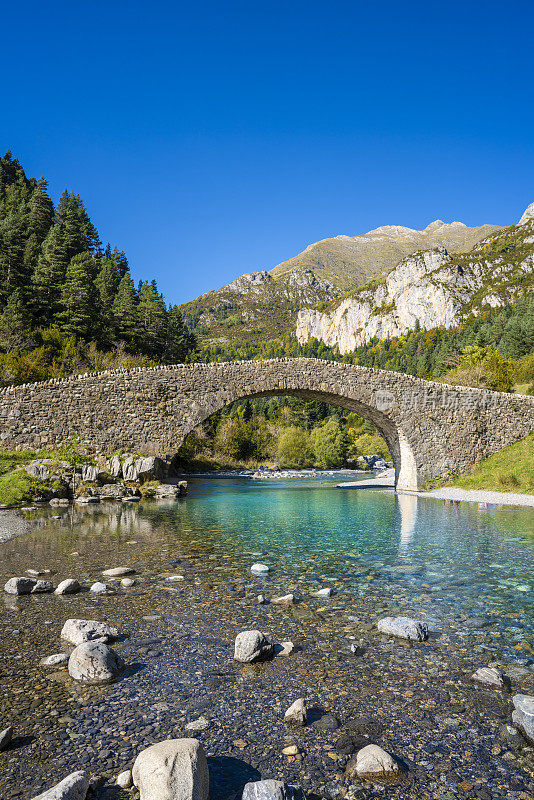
125	316
13	272
152	319
14	330
79	315
107	282
41	211
180	341
48	276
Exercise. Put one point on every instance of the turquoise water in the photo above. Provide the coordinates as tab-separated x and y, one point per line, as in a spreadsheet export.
445	561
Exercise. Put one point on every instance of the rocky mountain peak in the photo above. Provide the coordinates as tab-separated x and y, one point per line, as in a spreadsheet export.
528	215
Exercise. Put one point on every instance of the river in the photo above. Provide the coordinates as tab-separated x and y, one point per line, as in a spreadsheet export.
465	570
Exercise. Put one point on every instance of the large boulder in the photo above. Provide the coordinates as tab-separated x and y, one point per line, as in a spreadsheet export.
114	467
77	631
37	469
73	787
252	646
150	468
523	714
404	627
129	469
489	676
20	585
272	790
371	762
89	473
94	662
175	769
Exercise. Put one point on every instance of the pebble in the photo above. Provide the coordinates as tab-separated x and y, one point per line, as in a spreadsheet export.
55	660
284	600
523	714
20	585
284	649
127	582
73	787
118	572
42	587
94	663
68	586
200	724
99	588
291	750
252	646
322	593
124	779
272	790
77	631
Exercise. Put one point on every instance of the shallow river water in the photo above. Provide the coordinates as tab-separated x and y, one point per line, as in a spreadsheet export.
467	571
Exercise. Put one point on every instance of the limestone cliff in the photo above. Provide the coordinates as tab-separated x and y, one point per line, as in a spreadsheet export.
429	289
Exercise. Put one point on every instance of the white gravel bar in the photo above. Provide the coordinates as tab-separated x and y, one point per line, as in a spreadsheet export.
480	496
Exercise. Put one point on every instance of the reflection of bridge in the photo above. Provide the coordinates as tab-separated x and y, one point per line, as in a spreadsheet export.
429	427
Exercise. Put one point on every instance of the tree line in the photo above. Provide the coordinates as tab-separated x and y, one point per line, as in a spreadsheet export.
65	296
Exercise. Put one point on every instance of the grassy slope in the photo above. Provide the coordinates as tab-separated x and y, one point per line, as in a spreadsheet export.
509	470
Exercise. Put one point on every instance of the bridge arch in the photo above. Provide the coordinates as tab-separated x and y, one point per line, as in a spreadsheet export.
399	446
431	428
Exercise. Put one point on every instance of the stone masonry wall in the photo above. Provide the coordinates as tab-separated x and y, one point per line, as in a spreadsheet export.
430	427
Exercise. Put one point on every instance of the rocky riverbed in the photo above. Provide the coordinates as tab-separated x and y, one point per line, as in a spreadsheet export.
177	623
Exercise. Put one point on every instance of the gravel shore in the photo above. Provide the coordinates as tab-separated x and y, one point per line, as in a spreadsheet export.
477	496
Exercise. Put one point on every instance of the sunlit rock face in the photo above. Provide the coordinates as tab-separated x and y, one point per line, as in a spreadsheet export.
428	289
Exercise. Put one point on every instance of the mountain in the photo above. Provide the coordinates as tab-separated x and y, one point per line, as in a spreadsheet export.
265	304
255	306
348	261
429	289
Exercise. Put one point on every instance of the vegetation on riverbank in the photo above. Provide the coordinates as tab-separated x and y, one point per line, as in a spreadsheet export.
285	431
509	470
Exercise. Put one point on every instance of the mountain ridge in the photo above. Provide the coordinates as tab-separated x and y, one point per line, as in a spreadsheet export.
265	303
428	289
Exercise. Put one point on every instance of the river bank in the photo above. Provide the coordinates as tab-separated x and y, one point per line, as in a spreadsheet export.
192	595
455	494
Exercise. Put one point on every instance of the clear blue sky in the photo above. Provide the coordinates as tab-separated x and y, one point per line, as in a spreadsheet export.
210	139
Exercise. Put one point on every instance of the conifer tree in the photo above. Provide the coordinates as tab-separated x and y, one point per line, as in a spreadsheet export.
107	282
41	209
48	276
13	273
180	341
14	329
152	319
125	312
80	307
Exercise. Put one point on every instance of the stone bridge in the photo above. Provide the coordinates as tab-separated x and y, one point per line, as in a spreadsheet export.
430	428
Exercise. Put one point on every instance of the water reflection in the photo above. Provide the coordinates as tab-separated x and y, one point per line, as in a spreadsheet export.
458	557
407	504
